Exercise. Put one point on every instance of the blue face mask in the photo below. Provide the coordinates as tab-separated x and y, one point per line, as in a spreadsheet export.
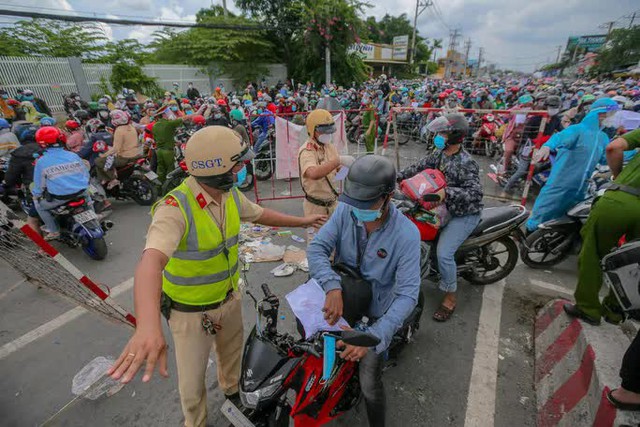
5	96
366	215
188	112
293	108
28	98
439	142
174	108
241	176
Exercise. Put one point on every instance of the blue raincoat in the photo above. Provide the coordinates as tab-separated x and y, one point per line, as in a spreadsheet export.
580	148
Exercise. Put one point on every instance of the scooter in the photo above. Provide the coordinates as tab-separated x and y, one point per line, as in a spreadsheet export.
264	162
325	386
80	226
488	255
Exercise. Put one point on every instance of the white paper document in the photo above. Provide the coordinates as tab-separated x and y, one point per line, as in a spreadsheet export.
307	301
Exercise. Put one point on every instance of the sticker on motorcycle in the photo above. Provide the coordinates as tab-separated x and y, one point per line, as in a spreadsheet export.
151	175
85	216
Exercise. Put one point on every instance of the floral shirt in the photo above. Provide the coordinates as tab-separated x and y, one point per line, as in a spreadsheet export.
463	191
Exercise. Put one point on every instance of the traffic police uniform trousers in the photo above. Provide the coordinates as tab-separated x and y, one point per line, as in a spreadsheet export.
613	215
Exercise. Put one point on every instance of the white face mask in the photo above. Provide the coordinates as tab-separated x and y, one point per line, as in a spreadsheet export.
325	138
609	122
553	111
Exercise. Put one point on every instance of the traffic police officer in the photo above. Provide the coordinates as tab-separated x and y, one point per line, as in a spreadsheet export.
318	162
190	261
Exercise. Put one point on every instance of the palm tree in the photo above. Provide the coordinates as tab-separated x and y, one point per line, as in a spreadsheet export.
437	44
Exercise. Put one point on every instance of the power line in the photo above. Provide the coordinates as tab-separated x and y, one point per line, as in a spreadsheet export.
78	18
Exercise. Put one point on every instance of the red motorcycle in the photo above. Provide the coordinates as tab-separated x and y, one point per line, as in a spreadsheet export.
485	137
325	386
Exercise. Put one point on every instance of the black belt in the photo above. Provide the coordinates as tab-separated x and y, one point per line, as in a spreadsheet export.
64	196
318	202
168	304
621	187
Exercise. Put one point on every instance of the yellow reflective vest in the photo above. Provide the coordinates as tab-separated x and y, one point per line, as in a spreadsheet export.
204	267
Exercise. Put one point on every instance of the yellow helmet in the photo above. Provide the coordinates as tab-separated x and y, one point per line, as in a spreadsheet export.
320	120
215	150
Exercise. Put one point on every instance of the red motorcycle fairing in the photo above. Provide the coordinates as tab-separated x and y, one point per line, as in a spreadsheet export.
318	402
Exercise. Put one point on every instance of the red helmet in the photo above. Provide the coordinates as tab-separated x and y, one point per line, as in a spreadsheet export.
13	102
72	124
443	95
515	89
199	120
184	101
50	135
221	101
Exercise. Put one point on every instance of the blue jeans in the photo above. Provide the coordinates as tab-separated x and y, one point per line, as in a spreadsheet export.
451	237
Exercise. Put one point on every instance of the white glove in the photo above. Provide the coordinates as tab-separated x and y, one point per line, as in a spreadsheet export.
542	154
347	160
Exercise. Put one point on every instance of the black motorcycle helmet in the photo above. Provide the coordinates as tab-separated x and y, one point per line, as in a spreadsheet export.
454	125
81	115
370	178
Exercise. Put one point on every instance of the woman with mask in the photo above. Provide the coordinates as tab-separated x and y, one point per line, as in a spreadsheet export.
125	148
462	197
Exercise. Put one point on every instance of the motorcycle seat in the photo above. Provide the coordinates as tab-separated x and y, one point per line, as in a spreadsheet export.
491	217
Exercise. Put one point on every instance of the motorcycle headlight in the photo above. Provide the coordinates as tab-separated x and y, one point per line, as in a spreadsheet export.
251	399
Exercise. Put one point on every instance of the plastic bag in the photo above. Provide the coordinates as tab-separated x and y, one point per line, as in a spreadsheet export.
92	381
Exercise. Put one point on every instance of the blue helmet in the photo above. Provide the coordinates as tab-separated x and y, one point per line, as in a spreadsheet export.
604	105
47	121
4	124
525	99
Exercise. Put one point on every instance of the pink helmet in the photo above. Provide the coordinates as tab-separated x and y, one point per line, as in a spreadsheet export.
119	117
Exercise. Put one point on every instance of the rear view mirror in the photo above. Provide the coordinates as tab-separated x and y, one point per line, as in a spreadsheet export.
359	339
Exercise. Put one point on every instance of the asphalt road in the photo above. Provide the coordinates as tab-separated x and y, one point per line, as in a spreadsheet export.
476	369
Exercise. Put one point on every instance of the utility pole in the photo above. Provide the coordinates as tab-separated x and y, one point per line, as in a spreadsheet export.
480	52
421	6
453	44
632	18
467	48
224	6
558	56
609	26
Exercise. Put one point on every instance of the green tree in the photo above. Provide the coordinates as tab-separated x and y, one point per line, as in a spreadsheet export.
332	23
622	50
42	37
237	53
285	21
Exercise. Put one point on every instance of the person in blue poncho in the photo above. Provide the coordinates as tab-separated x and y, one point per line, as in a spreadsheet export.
580	148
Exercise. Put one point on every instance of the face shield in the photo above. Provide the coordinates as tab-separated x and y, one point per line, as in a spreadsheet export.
439	125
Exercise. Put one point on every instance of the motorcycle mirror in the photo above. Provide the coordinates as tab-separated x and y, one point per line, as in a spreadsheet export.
431	197
359	339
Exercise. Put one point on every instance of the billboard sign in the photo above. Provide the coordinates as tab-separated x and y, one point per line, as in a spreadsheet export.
400	48
590	43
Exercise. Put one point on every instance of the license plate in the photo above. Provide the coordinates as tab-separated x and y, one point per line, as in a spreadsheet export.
85	216
151	175
234	415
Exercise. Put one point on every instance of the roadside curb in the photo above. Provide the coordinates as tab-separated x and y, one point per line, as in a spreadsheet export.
576	364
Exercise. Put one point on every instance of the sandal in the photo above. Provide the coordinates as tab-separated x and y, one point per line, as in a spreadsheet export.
622	405
443	313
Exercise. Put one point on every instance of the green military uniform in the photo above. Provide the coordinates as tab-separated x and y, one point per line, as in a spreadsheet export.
369	141
615	214
163	134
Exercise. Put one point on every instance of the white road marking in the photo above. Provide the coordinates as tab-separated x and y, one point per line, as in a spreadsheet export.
481	400
551	287
58	322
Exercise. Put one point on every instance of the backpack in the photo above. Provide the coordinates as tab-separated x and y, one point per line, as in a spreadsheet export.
426	182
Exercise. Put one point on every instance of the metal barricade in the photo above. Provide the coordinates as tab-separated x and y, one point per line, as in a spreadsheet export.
276	177
501	141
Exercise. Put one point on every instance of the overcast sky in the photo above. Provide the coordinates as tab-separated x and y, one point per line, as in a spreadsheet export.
518	34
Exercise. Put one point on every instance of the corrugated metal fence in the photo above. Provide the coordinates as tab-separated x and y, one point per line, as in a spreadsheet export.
48	78
51	78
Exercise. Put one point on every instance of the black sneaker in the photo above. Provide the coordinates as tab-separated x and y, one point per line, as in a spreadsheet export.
573	311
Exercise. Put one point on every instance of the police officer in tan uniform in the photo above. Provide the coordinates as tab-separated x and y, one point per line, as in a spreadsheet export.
190	262
318	162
